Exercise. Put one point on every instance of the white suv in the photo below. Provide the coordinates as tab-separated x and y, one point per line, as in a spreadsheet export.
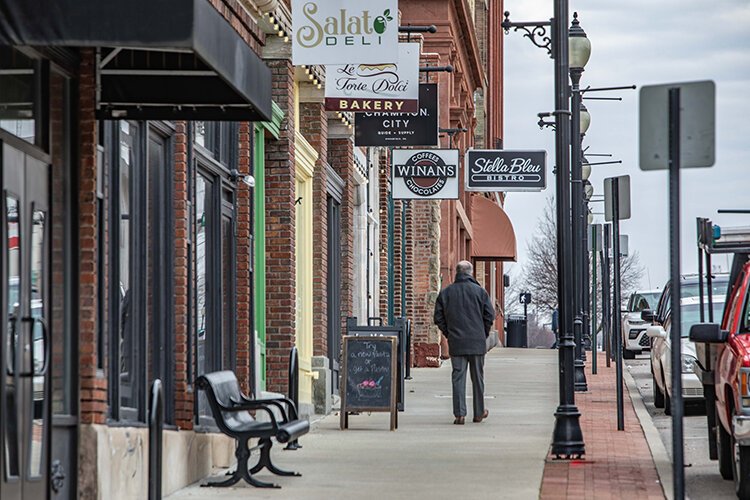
634	338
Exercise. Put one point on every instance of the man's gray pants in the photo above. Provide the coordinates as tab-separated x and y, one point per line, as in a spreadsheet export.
476	371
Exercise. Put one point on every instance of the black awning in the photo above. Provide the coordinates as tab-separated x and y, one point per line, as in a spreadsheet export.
159	59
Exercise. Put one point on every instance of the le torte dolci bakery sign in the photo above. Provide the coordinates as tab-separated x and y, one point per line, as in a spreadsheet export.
343	32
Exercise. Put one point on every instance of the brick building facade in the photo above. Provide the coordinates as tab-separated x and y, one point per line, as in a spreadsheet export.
202	222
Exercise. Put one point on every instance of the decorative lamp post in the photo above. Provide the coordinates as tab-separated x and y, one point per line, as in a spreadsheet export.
567	437
580	51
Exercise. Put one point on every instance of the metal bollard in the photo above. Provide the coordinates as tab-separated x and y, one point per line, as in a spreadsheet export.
294	390
155	429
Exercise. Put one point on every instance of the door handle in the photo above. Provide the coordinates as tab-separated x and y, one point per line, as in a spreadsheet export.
11	367
45	346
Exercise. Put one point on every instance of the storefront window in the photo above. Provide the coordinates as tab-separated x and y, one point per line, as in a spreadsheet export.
18	97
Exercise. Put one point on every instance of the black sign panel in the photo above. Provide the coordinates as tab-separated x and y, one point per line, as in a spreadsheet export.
369	372
401	129
505	170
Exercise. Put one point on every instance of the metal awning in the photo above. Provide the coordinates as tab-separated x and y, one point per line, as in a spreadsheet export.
158	59
493	237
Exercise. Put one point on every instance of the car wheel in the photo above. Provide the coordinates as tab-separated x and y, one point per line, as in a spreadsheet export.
658	395
724	449
741	462
628	354
667	399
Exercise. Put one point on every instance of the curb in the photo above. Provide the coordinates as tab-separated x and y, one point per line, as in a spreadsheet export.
658	450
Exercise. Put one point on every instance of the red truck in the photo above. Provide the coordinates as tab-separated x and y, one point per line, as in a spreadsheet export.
724	358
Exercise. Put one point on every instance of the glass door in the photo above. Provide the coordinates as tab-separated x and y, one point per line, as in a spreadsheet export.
24	336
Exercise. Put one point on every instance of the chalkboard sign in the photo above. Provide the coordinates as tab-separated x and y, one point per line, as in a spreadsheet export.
369	376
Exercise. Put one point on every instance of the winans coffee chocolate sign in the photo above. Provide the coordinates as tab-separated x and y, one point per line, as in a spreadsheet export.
425	174
505	170
386	87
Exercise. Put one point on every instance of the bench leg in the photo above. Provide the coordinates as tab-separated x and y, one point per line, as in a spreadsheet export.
243	455
265	461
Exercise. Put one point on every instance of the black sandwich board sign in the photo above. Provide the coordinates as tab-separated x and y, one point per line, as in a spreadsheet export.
369	376
493	170
399	330
401	129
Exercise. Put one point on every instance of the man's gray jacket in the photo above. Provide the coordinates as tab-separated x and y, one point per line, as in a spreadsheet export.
464	314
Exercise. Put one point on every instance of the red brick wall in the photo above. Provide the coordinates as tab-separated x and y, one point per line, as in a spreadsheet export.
182	260
280	240
314	127
93	388
244	325
384	190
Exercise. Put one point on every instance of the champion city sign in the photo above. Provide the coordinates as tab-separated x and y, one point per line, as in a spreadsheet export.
343	32
425	174
493	170
389	87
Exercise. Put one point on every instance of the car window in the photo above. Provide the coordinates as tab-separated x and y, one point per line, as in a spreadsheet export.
691	316
734	304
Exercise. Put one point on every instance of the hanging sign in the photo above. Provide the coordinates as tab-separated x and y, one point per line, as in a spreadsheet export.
401	129
505	170
389	87
425	174
343	32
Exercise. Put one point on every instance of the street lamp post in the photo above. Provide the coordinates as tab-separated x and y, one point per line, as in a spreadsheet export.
580	51
567	438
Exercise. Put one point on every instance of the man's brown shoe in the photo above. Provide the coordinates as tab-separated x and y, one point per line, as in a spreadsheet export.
459	421
484	415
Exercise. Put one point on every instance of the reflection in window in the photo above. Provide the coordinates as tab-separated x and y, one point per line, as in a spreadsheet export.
13	260
39	349
203	188
128	140
17	94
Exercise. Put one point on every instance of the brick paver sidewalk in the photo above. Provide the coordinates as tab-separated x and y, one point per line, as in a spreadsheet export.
618	464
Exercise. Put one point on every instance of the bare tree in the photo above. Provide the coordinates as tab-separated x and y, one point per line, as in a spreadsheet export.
540	271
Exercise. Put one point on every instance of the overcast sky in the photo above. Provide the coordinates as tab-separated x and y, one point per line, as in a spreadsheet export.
640	42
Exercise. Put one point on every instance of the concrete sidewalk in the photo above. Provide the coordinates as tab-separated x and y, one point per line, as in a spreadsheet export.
428	456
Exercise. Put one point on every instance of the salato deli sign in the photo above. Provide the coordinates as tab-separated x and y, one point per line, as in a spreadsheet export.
343	32
388	87
505	170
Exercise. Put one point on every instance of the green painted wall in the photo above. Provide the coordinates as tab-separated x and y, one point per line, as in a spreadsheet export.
271	128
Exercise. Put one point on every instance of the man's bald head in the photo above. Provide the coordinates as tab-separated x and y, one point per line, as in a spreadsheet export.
464	267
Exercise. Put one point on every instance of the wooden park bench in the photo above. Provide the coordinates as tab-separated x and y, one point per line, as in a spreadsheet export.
231	411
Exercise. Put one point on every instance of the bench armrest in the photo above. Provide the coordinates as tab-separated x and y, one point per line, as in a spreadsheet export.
292	409
251	405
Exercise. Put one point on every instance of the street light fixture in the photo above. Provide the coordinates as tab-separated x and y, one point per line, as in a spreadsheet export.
585	169
580	52
567	437
585	119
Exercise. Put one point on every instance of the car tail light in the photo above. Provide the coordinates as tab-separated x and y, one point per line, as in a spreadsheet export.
745	387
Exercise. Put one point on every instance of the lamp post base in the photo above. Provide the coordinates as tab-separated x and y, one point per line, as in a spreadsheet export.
567	437
580	383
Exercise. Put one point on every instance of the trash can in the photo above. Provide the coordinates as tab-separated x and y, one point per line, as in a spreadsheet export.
515	333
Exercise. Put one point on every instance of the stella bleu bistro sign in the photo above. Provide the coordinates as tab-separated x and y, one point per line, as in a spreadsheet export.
505	170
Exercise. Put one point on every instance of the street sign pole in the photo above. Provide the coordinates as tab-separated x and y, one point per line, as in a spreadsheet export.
606	297
616	301
678	458
594	291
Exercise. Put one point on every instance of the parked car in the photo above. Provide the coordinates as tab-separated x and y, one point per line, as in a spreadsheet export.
724	360
634	327
661	355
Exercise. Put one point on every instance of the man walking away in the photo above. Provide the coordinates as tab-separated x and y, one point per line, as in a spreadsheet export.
464	313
